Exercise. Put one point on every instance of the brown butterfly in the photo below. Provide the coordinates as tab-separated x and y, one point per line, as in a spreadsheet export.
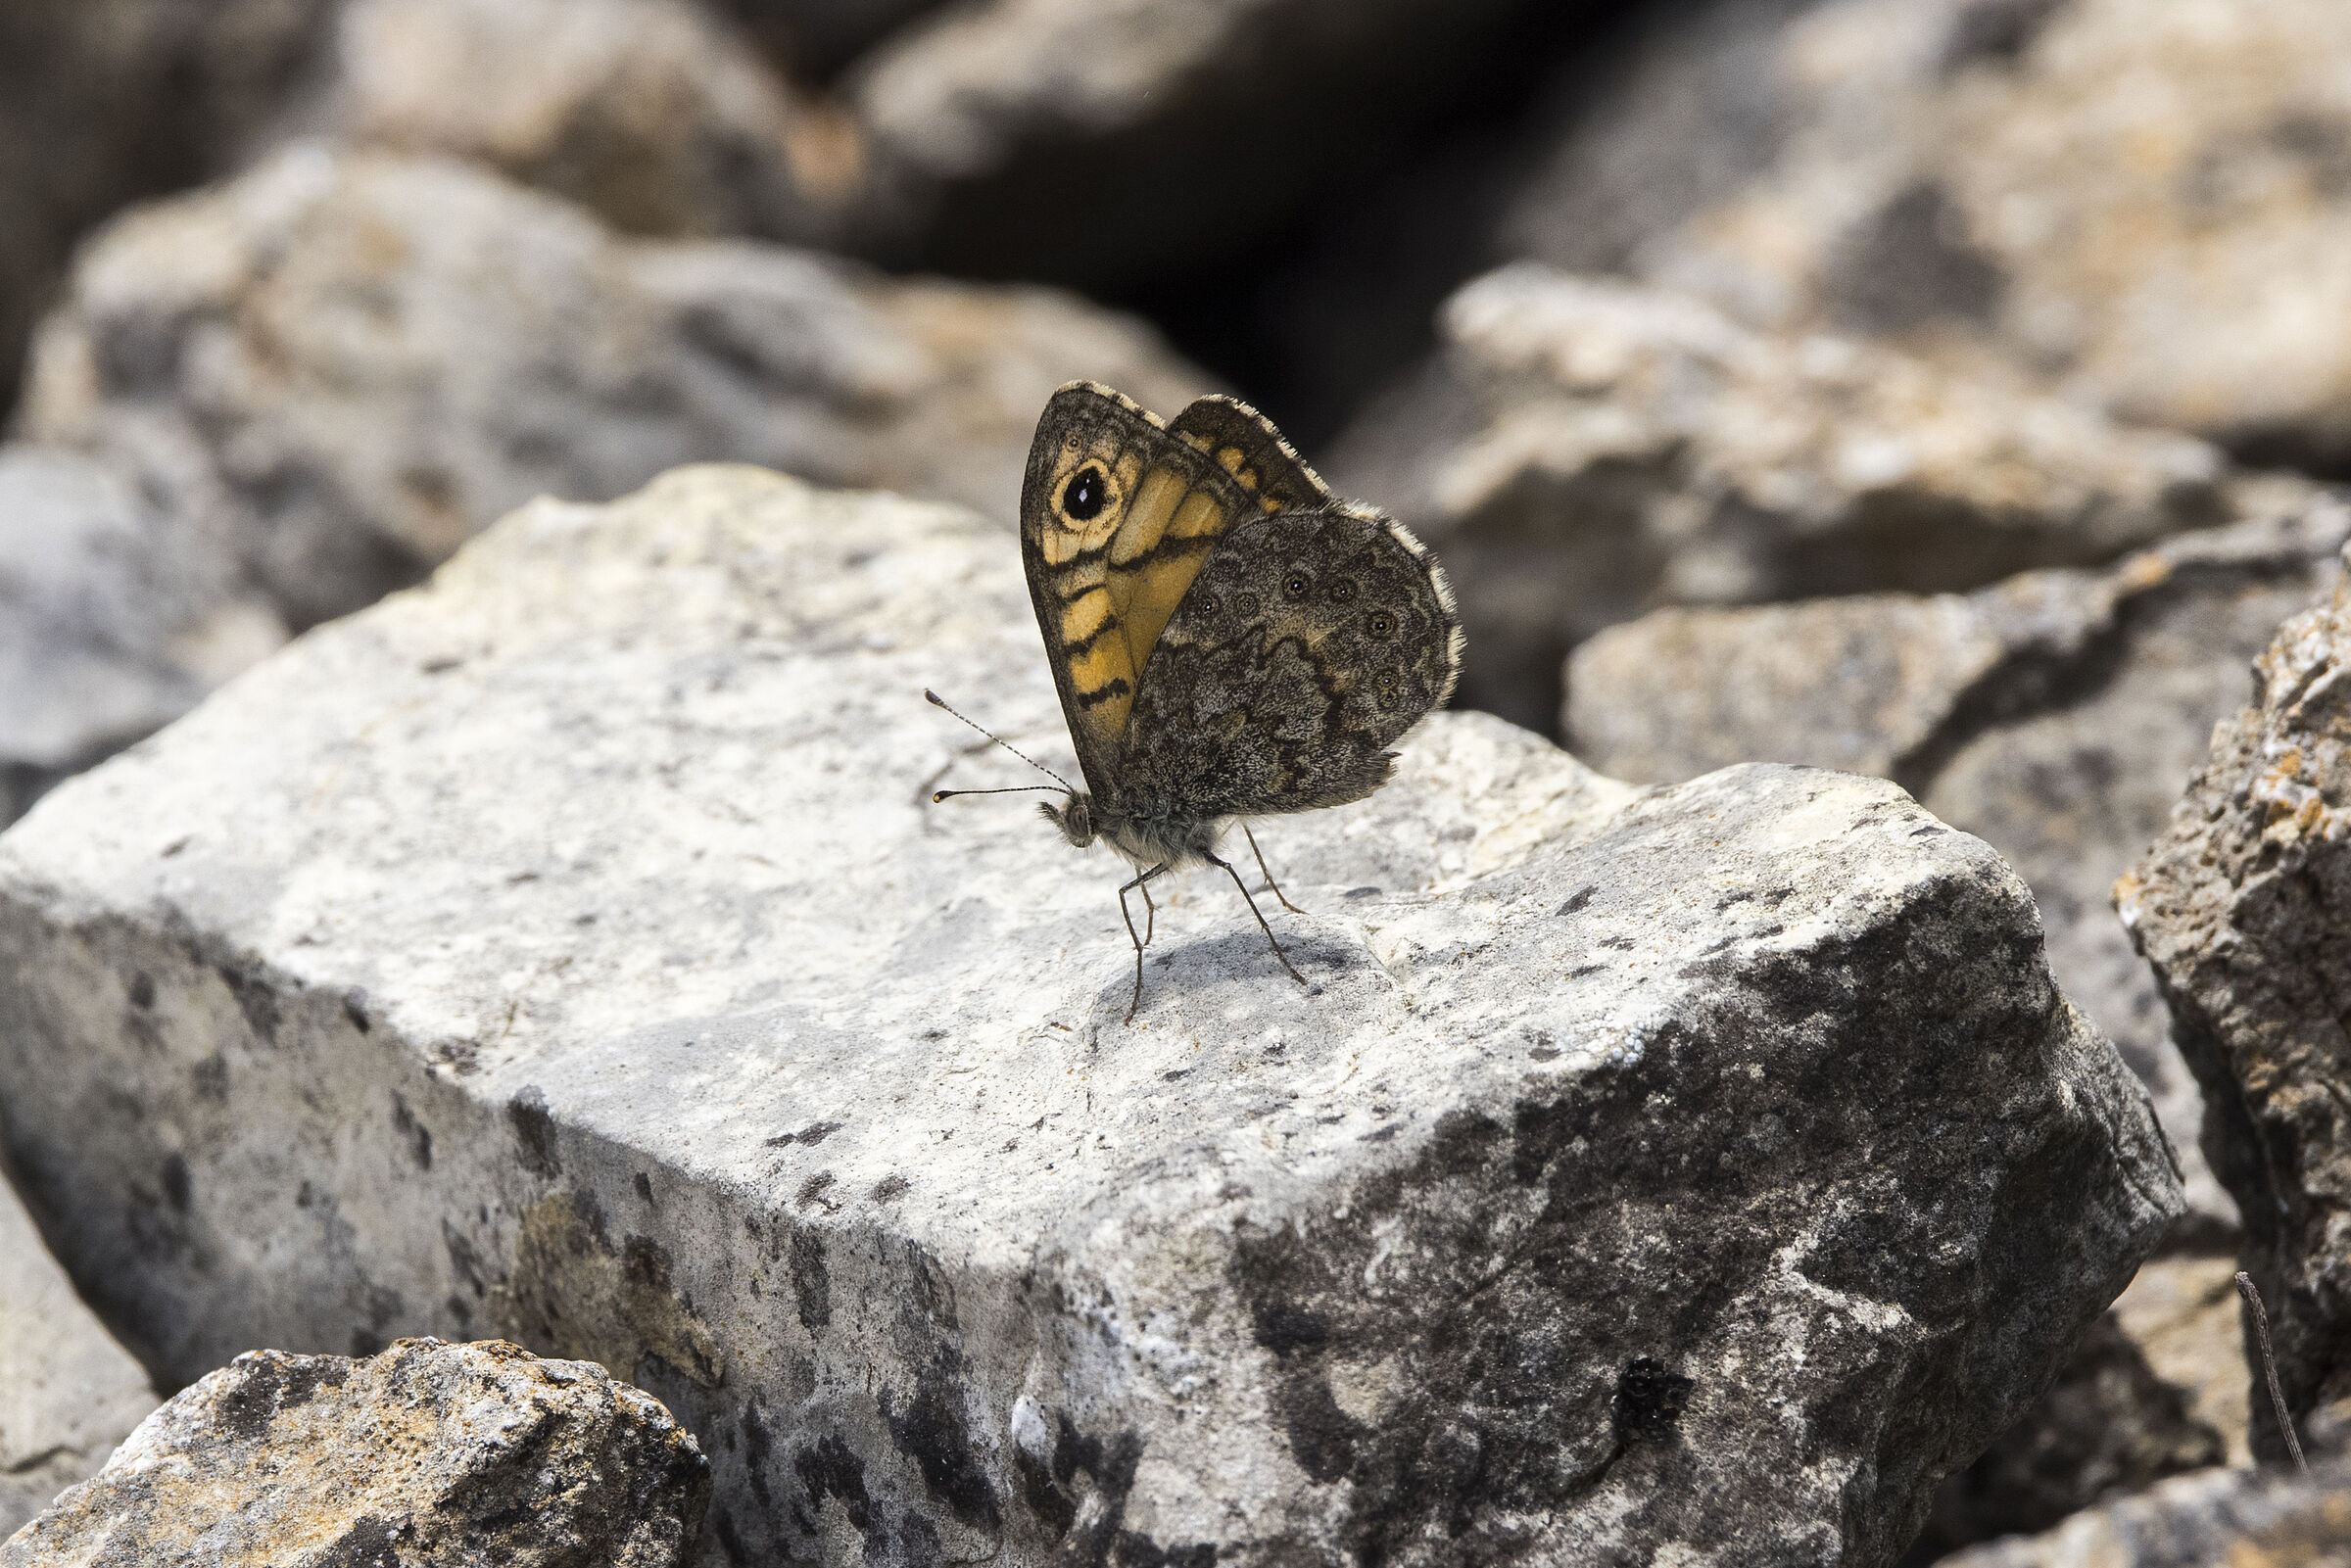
1230	639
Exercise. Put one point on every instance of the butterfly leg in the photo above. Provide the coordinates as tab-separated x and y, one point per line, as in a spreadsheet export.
1261	865
1138	999
1261	920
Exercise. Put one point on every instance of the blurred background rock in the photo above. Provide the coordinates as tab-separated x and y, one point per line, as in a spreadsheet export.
1944	389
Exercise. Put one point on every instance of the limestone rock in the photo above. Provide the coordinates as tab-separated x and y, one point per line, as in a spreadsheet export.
68	1393
2057	714
348	363
427	1454
113	623
2144	200
1115	146
1587	449
103	101
2237	908
2219	1516
655	113
568	950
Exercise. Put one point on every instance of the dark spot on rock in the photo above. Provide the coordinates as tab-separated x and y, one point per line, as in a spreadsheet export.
1621	945
1135	1550
534	1130
891	1187
1912	262
929	1430
817	1132
1360	893
1544	1053
175	1182
811	1284
831	1470
355	1008
1996	31
644	1187
1281	1327
418	1136
756	1445
270	1382
365	1543
255	999
1579	898
208	1078
730	1538
1929	830
142	991
463	1260
813	1190
1322	1437
1649	1400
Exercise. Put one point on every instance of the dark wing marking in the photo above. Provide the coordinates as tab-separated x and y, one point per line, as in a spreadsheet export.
1246	445
1308	643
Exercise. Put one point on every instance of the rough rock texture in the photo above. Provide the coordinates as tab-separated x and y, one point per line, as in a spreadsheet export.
2244	1518
102	101
113	623
2145	200
347	364
1113	145
2058	715
426	1454
68	1393
2107	1427
576	957
655	113
1586	449
2239	909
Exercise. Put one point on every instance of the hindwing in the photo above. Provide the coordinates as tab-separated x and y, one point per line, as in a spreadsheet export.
1117	515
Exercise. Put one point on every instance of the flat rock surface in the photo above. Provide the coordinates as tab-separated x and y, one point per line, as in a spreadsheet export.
68	1392
426	1454
1586	448
2142	200
568	950
2058	714
345	364
2237	907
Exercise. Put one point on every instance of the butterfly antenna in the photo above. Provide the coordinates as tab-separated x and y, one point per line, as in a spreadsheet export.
936	702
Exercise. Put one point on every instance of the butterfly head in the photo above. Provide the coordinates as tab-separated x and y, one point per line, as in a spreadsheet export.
1075	818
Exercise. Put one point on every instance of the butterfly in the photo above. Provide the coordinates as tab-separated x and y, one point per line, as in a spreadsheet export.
1230	639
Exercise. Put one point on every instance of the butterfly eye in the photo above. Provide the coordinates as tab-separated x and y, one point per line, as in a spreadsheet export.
1341	592
1379	623
1294	585
1085	494
1385	684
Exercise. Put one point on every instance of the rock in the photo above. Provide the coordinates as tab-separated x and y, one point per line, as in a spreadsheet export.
1586	449
348	363
2181	1311
2107	1427
568	950
1116	147
2236	906
113	623
427	1454
2057	714
2219	1516
68	1393
2145	201
103	101
655	113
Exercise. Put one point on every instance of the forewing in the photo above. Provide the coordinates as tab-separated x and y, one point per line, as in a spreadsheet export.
1309	642
1246	445
1117	515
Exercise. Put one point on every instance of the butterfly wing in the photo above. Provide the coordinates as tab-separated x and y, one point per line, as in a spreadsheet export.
1308	643
1246	445
1117	516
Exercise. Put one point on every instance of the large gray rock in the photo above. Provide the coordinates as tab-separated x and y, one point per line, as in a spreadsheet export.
2238	908
2144	200
2245	1518
103	101
1585	449
348	363
2058	715
68	1392
655	113
426	1454
568	950
112	621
